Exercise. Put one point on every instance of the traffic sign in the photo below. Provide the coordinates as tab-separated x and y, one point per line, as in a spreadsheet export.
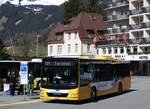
23	73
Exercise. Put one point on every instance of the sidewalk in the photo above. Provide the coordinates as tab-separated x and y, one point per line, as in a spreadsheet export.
7	100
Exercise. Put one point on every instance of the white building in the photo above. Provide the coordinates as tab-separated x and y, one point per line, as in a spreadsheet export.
75	36
139	35
117	18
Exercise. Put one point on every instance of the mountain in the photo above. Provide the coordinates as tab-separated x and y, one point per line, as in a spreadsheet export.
29	19
33	2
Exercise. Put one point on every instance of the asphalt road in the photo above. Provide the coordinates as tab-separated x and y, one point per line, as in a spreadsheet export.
137	98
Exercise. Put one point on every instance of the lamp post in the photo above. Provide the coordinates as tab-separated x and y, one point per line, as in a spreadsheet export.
37	45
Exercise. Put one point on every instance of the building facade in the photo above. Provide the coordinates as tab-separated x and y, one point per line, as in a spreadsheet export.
117	19
139	35
76	36
136	47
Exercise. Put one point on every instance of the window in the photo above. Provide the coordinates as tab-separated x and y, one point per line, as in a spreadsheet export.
93	18
51	49
86	73
104	72
122	70
109	50
75	35
69	46
128	50
103	50
88	48
135	50
76	48
69	36
115	50
121	50
59	49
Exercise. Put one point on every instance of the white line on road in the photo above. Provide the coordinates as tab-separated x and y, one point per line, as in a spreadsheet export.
20	102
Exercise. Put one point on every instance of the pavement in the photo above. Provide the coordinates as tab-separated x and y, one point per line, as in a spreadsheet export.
8	100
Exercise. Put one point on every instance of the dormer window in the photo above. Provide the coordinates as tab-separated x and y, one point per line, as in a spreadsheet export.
93	18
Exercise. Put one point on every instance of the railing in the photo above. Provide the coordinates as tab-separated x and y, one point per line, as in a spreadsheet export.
116	17
146	24
110	42
140	26
117	30
121	41
147	9
137	11
136	26
138	53
139	41
117	4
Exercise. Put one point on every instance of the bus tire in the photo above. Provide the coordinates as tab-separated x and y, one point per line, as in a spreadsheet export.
93	94
120	89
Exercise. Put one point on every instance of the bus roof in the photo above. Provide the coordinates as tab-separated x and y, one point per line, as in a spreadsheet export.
9	61
86	57
97	57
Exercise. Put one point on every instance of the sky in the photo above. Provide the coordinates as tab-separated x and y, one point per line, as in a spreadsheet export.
43	2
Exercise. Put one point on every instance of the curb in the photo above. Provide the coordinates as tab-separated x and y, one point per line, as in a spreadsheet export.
20	102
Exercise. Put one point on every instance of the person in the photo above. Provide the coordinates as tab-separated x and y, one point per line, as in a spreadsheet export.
31	83
12	84
57	78
20	86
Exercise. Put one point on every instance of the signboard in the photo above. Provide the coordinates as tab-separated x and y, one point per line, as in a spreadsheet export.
24	73
6	87
143	57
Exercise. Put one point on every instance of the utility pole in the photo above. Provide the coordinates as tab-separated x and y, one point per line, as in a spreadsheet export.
11	42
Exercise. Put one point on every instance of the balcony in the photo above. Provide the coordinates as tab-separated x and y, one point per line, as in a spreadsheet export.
139	41
117	30
147	9
111	42
136	53
146	24
137	11
124	42
117	4
114	17
136	26
117	17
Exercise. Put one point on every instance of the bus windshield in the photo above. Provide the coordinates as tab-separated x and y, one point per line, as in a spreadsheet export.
60	74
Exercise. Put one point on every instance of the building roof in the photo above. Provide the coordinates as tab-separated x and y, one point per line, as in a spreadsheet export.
83	22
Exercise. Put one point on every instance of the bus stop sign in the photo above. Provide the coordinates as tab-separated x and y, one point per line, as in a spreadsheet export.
24	73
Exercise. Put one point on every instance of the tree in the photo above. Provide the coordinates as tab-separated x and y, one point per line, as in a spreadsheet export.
23	45
71	8
3	51
74	7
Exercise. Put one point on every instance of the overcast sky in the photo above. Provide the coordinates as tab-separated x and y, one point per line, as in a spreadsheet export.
44	2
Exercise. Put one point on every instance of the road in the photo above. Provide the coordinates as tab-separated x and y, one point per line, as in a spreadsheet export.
137	98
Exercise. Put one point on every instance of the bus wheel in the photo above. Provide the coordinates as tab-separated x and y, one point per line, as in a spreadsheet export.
119	88
93	94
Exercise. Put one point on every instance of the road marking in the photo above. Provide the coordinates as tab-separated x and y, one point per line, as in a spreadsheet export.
20	102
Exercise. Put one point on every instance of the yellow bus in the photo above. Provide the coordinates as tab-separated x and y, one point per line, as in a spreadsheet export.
85	77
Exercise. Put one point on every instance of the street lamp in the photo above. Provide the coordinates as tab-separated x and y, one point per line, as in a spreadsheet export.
37	45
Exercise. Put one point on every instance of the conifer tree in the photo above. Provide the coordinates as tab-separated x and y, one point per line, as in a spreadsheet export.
3	51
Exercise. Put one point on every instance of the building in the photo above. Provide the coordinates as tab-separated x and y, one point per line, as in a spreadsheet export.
76	36
117	17
139	35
